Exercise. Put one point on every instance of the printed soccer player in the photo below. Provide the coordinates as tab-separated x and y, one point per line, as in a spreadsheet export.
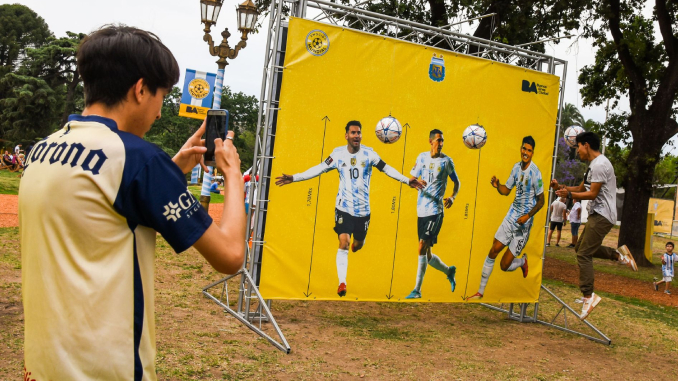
352	214
434	167
515	229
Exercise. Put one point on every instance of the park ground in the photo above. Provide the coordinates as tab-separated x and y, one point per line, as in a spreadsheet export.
196	340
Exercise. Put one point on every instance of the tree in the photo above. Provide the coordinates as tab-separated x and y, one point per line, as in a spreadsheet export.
55	63
28	111
571	116
515	21
633	64
171	131
20	28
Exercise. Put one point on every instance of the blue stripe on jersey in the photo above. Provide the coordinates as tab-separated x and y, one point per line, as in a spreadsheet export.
367	177
138	313
356	192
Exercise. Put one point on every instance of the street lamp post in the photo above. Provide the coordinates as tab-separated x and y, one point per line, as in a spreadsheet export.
247	18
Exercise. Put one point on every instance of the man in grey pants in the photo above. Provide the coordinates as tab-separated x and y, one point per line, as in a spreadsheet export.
599	186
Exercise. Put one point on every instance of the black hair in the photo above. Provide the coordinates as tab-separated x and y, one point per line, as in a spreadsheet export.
354	123
529	140
669	243
112	59
591	138
433	133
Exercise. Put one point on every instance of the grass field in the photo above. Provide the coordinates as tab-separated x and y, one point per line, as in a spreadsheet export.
384	341
9	182
196	340
214	198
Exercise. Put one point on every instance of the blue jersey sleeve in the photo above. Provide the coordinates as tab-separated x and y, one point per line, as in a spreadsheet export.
537	183
153	193
511	181
418	165
453	173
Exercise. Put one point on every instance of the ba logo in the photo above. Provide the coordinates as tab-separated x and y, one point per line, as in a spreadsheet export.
199	88
436	70
317	42
191	110
533	87
529	88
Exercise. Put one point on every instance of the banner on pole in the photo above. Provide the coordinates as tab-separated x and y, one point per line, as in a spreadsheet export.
196	97
334	75
663	214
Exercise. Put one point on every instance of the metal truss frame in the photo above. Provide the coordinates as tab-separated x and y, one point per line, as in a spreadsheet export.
251	307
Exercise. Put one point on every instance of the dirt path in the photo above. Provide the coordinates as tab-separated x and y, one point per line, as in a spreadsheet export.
553	268
9	210
615	284
9	205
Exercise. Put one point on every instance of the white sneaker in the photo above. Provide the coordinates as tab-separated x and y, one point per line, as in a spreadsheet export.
626	258
589	305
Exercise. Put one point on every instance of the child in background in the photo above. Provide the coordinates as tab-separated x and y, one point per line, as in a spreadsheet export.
668	260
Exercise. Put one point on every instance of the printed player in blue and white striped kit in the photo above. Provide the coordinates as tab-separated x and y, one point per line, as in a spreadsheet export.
515	229
434	167
352	214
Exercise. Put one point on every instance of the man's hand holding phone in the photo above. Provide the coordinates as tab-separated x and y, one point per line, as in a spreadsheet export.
191	153
227	158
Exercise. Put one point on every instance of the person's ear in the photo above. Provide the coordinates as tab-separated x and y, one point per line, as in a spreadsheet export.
139	90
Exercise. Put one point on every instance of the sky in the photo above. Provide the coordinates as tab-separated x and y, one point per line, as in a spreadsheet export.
177	23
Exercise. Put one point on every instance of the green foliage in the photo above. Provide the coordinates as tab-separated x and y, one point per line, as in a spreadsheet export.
171	131
20	28
571	116
645	59
29	109
42	91
515	22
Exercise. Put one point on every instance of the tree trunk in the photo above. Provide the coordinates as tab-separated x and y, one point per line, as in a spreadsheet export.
69	105
642	160
439	19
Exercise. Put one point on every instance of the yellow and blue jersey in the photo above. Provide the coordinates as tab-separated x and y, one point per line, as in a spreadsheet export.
91	200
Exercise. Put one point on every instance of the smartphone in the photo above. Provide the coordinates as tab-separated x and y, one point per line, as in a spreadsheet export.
215	127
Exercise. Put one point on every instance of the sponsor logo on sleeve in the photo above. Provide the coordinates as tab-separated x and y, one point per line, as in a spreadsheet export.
329	160
186	205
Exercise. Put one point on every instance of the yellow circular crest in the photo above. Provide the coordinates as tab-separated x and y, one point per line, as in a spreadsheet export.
317	42
199	88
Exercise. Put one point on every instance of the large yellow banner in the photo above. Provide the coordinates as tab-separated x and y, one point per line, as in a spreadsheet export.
334	75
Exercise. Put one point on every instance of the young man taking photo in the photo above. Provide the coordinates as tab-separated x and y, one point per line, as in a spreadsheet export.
91	200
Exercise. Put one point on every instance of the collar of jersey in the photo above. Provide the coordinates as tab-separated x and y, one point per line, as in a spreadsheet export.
110	123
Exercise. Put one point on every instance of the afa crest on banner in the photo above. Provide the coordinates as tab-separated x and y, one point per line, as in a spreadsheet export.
436	70
196	97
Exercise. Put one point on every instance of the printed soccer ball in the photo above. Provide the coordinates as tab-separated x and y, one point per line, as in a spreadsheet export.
388	130
475	136
571	135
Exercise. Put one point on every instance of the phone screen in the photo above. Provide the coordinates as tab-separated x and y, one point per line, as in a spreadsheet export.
216	127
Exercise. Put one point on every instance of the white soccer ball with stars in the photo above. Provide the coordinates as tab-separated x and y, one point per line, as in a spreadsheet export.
388	130
475	136
571	135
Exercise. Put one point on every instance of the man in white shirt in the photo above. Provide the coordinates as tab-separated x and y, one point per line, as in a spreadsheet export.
599	186
558	210
575	221
354	163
